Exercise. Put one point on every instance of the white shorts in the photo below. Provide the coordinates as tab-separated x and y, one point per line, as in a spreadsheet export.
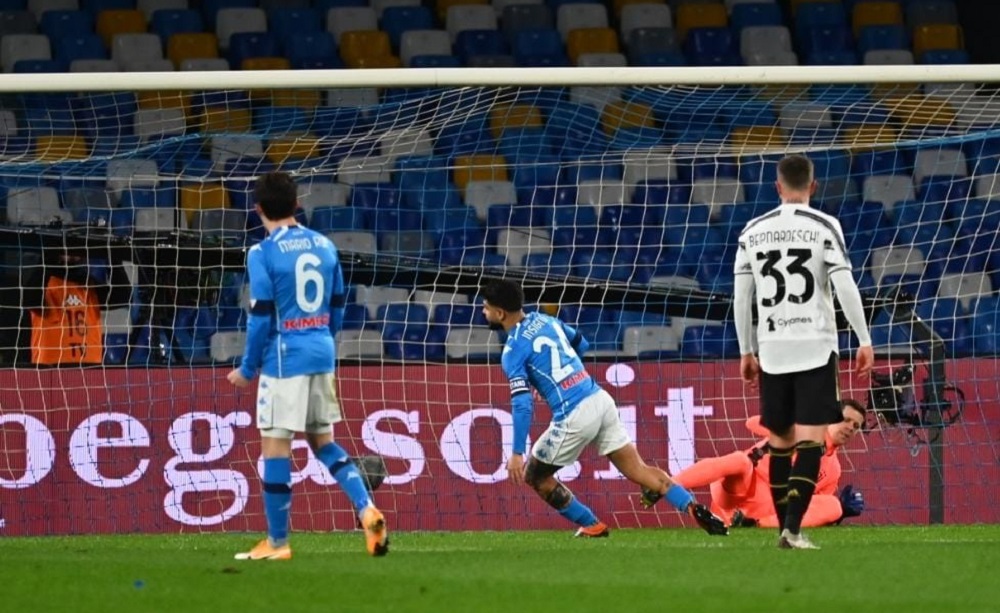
307	403
595	420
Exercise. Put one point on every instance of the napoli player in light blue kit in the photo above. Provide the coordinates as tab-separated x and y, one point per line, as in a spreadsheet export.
296	307
544	353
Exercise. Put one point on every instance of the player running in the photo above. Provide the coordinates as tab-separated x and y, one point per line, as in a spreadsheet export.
543	352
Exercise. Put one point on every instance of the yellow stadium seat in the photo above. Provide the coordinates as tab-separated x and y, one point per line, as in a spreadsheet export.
757	137
376	61
265	63
164	99
619	115
514	116
700	16
192	45
876	14
590	40
470	168
442	6
111	23
219	119
936	36
201	196
918	110
619	5
363	43
56	148
304	98
866	136
280	150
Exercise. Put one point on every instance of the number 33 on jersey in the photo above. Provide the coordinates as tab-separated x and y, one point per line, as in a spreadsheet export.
791	253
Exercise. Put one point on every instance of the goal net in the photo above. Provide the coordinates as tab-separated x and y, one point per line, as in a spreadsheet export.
614	195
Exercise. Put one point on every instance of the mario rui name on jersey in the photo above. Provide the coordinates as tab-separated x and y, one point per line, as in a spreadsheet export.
767	237
301	244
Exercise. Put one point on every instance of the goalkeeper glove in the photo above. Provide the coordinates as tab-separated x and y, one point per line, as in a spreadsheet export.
757	453
851	501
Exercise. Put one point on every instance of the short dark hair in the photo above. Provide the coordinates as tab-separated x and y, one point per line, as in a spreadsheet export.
504	294
277	195
796	172
850	403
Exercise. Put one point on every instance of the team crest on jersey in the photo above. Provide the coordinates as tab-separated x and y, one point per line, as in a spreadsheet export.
72	300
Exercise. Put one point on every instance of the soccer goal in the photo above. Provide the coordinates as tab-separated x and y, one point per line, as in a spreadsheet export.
613	194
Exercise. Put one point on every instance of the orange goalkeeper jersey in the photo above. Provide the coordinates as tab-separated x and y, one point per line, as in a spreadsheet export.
67	330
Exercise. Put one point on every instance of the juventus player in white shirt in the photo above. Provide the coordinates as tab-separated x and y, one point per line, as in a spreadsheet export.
789	257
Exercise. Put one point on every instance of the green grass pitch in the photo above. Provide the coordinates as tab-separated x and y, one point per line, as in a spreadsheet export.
906	569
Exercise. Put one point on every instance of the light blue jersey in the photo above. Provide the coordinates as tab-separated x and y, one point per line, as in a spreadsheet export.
297	304
544	353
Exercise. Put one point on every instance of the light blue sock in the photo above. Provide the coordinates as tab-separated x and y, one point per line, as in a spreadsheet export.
578	513
277	486
346	473
679	497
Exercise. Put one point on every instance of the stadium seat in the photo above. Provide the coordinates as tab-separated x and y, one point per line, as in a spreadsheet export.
882	37
888	190
935	37
478	168
472	343
201	196
284	23
219	222
888	57
356	46
136	47
94	65
946	56
149	8
17	22
17	47
764	39
328	219
529	44
469	17
649	341
747	14
243	45
896	261
301	48
350	19
230	21
515	243
354	170
96	6
646	42
71	49
381	5
520	17
226	346
644	15
62	24
967	288
211	8
112	23
166	23
590	40
397	19
875	14
702	44
34	206
187	46
571	17
131	174
414	43
359	344
927	12
204	64
39	7
939	162
481	195
697	16
709	342
471	44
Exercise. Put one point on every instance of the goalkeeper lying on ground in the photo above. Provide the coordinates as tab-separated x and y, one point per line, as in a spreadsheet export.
740	487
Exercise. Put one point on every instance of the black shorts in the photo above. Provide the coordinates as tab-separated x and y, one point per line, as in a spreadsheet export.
808	398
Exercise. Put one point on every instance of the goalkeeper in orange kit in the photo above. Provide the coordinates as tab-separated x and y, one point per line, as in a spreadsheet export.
740	487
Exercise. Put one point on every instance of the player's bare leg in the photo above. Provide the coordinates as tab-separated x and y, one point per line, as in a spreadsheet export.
541	477
654	480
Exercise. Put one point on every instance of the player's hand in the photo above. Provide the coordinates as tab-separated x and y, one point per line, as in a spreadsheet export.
236	378
749	369
865	361
852	502
515	469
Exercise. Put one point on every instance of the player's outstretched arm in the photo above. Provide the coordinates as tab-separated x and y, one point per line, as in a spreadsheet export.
850	303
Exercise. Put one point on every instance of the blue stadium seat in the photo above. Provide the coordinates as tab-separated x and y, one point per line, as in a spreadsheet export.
375	197
519	17
812	14
323	6
115	349
277	120
702	44
339	219
660	58
39	66
747	14
879	162
831	58
945	56
435	61
524	144
709	342
285	23
243	45
471	43
827	39
886	36
445	220
555	264
531	45
96	6
462	138
148	197
397	220
458	315
950	322
398	19
165	23
86	47
944	189
310	46
602	337
62	24
985	326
